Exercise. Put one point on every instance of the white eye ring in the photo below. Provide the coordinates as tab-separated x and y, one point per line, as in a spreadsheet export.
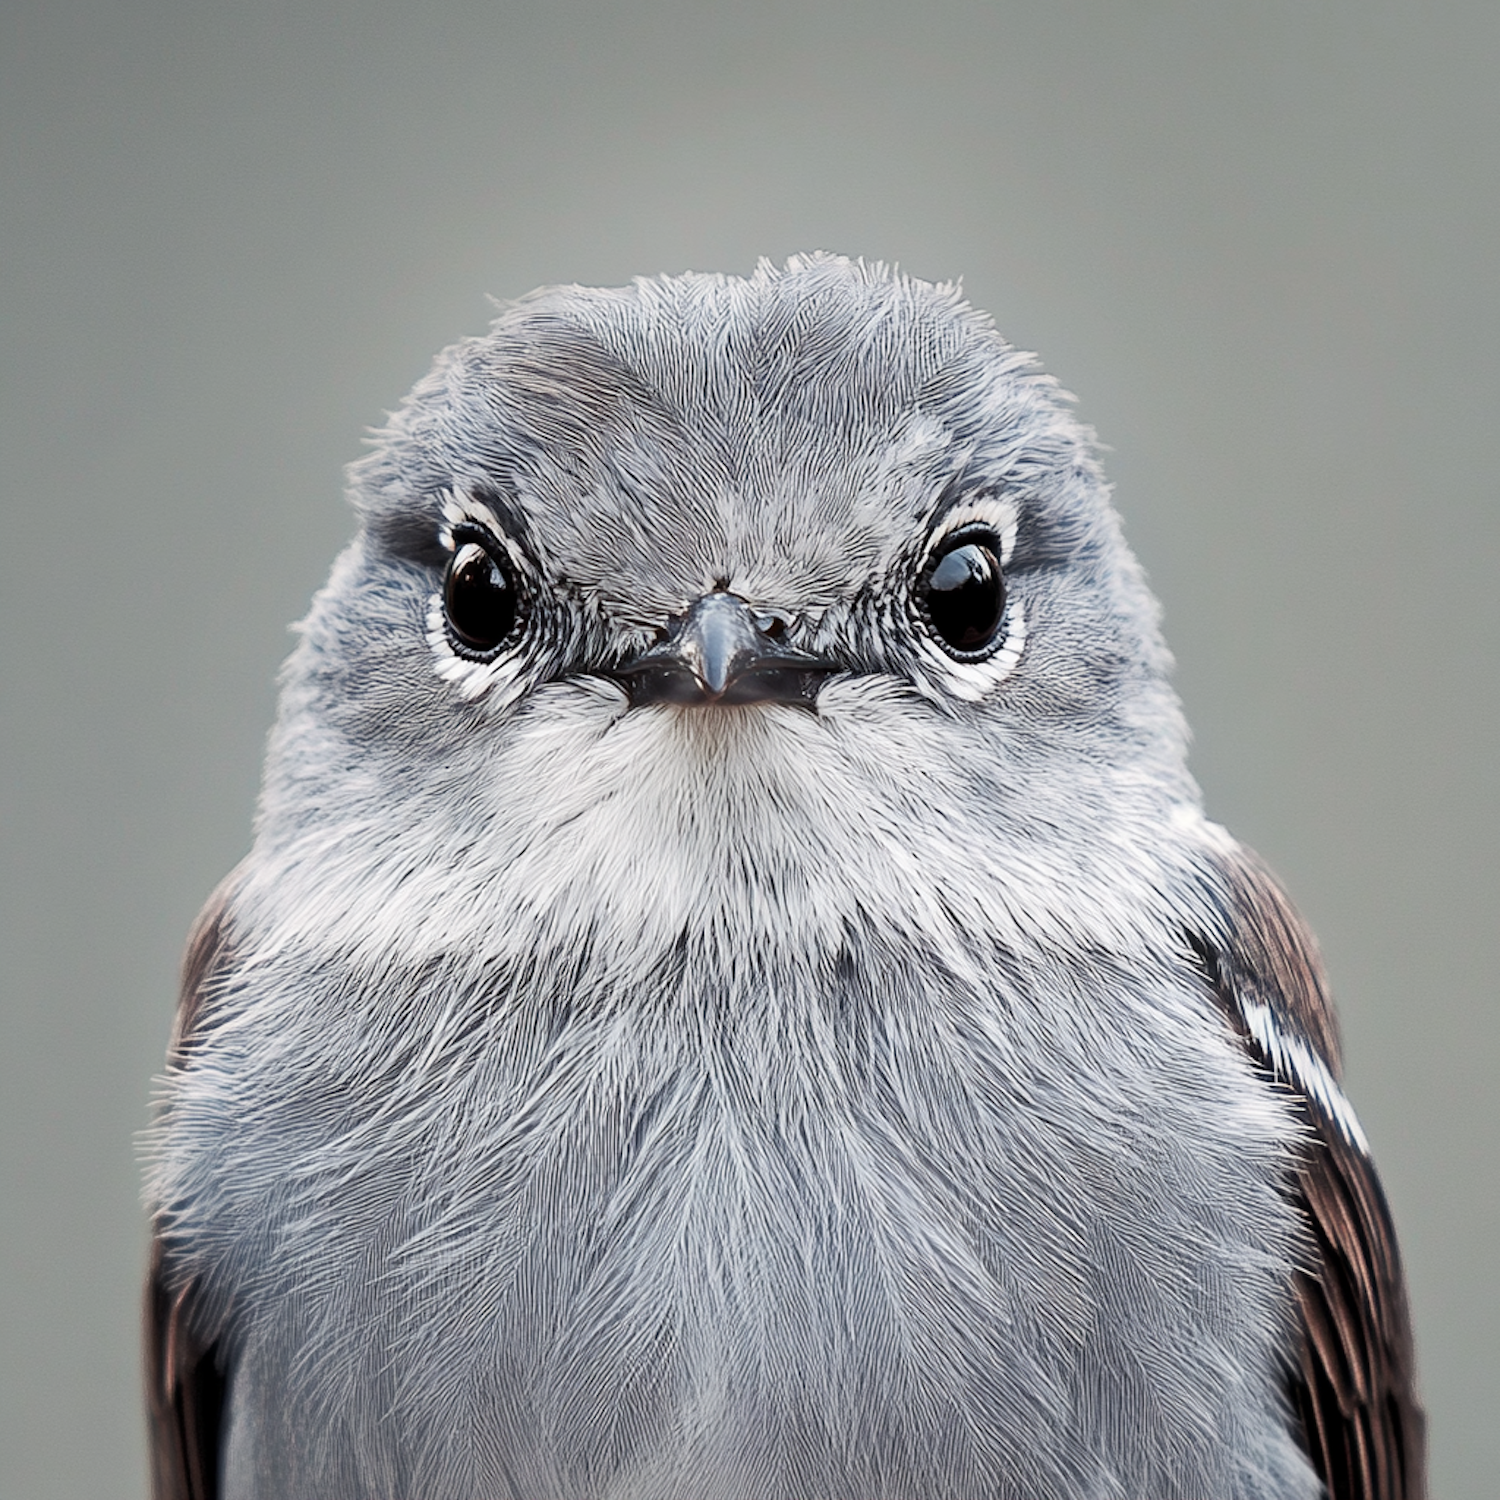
483	601
496	674
974	677
960	594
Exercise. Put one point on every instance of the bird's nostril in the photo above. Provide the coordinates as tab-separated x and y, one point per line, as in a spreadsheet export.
771	626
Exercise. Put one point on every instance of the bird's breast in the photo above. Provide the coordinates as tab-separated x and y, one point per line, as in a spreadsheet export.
876	1230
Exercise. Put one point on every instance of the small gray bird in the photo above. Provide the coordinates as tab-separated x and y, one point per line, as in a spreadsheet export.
734	996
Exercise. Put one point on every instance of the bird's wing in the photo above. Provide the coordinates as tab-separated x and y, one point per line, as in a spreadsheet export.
185	1383
1352	1385
185	1395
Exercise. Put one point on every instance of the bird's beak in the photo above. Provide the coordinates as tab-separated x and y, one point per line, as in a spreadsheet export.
720	652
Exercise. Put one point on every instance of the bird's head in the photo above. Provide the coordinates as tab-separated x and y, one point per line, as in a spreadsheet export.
718	594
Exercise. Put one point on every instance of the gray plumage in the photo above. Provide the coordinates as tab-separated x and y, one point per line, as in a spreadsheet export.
849	1093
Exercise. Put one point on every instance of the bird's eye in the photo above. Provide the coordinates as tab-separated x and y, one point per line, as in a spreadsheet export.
480	598
961	594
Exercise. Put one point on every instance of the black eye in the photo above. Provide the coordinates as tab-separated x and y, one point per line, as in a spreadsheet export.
479	598
962	595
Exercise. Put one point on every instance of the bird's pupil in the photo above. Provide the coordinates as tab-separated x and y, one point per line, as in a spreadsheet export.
479	599
965	597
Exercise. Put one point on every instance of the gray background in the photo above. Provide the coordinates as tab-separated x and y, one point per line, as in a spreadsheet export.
1257	239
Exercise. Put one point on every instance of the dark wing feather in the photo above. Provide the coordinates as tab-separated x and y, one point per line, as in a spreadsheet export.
185	1381
1353	1384
185	1390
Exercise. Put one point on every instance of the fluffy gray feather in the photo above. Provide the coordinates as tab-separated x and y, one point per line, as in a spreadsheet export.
607	1101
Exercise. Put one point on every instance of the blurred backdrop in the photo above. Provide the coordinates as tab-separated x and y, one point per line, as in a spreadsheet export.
1258	240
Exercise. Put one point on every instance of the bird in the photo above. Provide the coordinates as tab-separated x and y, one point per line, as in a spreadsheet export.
734	994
